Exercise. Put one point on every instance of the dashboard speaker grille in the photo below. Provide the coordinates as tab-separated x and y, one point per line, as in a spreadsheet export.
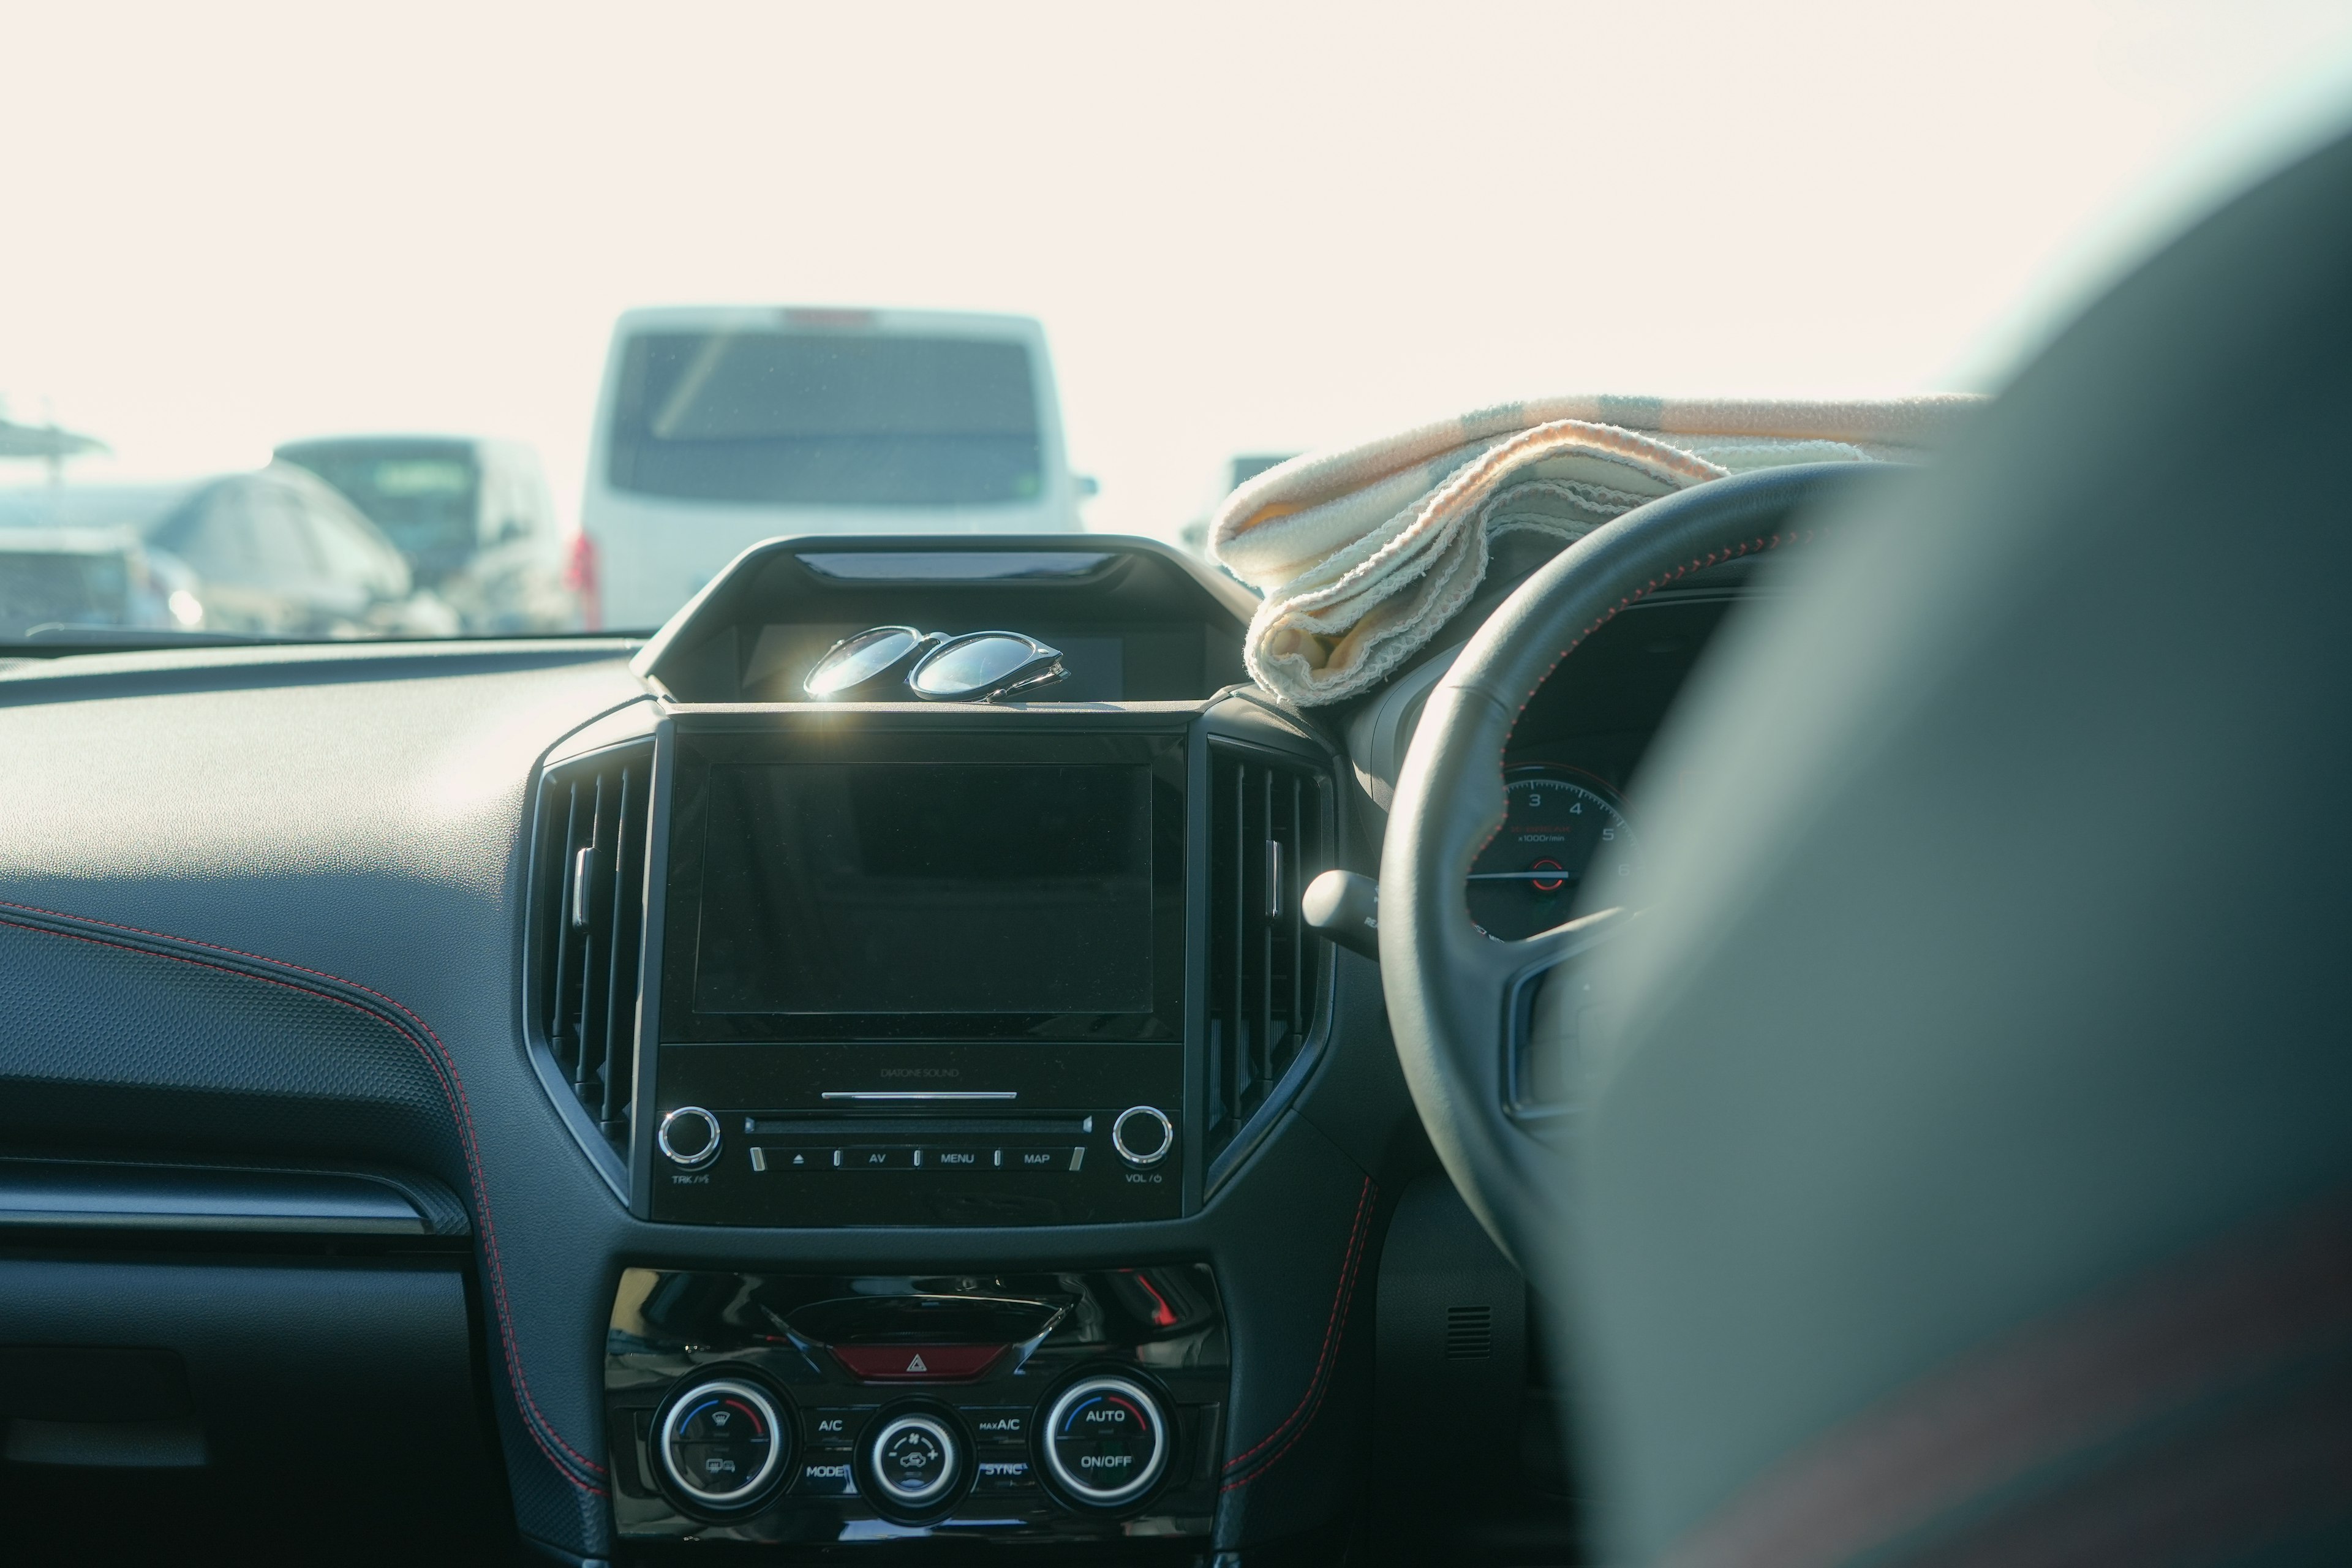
1469	1334
1268	837
588	919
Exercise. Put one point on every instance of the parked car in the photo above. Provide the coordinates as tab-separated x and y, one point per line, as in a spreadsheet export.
473	519
54	579
281	551
717	427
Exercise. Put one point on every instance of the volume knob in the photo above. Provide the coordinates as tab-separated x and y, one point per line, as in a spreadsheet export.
1142	1135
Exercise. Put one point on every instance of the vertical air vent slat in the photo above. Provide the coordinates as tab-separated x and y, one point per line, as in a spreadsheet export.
620	1000
568	860
1267	833
588	898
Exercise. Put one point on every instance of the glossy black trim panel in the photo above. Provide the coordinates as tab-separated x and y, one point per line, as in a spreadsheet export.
1162	1326
95	1194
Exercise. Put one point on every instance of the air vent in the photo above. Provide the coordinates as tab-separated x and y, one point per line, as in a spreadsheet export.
1469	1334
588	914
1268	839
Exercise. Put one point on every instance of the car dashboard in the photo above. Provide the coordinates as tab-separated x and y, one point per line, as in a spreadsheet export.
588	1086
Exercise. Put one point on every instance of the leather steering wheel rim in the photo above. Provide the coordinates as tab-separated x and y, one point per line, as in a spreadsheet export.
1448	985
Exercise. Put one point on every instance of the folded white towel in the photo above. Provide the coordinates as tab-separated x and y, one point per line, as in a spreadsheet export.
1363	554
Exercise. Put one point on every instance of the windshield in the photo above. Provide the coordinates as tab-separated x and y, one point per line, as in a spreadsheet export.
525	322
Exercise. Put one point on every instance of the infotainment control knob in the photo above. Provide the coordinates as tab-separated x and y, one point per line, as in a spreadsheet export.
1142	1135
1106	1440
689	1137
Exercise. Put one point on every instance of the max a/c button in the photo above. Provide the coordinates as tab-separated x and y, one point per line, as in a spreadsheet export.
999	1426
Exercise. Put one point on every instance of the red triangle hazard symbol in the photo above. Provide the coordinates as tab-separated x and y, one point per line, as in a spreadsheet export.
917	1364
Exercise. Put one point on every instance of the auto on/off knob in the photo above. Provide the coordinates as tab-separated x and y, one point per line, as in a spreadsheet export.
1142	1135
1106	1440
689	1136
722	1444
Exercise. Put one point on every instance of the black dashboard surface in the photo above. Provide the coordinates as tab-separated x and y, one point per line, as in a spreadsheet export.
267	905
265	910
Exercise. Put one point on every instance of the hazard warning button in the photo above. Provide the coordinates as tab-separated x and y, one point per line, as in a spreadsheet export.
916	1364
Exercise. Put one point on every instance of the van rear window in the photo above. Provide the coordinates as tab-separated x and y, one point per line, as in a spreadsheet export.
826	419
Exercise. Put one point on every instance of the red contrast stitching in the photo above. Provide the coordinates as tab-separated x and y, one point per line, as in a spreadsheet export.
1318	1384
1713	558
453	1091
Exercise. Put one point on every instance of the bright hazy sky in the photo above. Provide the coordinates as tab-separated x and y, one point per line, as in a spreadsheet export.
1246	228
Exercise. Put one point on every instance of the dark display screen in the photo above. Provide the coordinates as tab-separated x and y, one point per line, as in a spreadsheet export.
883	887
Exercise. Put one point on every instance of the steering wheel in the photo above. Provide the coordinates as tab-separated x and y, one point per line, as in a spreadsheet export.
1459	1002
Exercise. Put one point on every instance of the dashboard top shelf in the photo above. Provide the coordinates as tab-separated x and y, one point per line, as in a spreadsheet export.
1135	619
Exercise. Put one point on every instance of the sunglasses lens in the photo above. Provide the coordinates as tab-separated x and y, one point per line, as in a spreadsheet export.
860	660
973	666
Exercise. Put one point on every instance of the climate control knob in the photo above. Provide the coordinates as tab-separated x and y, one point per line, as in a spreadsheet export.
1106	1440
915	1462
1142	1135
722	1444
688	1137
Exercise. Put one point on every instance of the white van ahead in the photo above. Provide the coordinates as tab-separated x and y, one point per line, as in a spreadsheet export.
719	427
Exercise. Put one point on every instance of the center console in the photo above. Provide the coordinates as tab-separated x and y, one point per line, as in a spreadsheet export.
909	969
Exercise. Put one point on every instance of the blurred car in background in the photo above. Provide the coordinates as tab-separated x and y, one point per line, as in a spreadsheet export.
57	580
473	519
273	552
278	551
720	426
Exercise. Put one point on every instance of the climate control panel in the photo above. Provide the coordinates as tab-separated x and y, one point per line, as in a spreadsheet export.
1067	1407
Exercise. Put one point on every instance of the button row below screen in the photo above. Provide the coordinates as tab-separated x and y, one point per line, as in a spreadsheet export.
923	1157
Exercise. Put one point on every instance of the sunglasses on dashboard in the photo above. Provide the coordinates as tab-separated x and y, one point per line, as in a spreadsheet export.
978	667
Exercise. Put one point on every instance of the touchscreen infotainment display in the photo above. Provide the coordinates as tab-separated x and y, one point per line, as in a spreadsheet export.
889	887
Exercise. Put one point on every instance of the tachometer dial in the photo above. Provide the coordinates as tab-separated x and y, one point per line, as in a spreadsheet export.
1560	829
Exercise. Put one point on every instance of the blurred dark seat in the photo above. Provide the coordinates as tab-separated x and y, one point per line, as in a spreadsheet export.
1973	1180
